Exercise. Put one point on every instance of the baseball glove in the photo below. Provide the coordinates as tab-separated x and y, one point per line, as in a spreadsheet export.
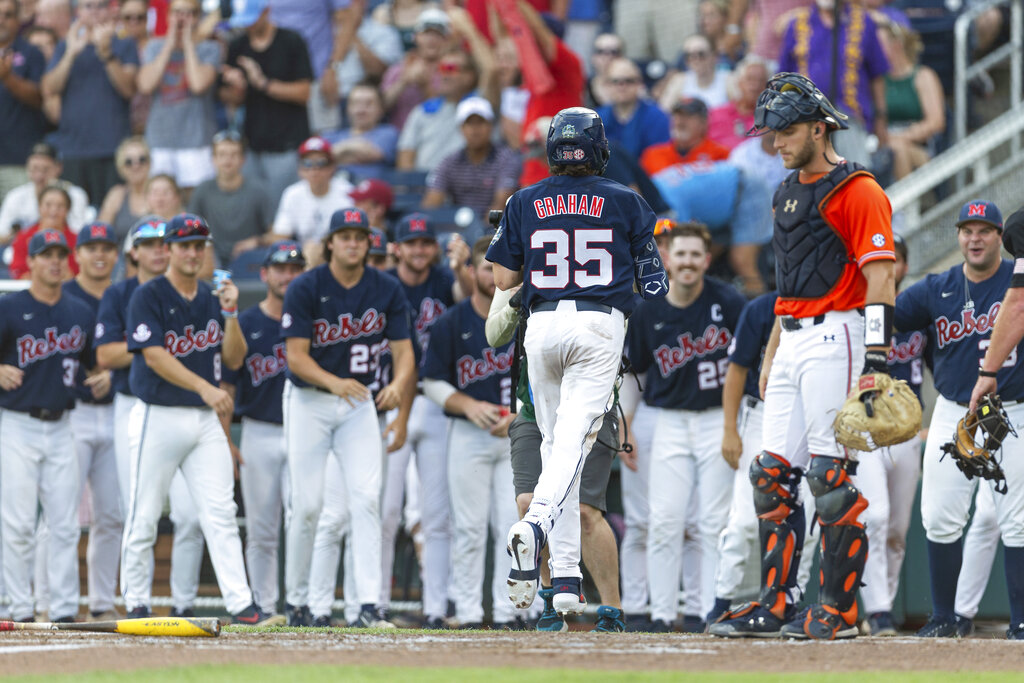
880	411
978	459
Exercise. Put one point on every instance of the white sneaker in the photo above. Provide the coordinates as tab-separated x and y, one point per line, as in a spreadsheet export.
568	596
525	541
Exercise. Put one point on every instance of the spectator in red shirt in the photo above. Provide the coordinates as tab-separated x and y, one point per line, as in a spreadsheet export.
689	144
728	124
54	204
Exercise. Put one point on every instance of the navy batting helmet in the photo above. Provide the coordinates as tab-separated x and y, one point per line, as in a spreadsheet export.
791	98
576	137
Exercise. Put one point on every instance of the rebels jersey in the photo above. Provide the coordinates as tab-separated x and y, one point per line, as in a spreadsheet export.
1013	241
191	331
751	337
48	343
907	357
428	300
82	392
461	356
684	351
574	238
111	324
259	383
959	324
347	328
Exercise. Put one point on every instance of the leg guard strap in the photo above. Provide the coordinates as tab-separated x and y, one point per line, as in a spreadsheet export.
781	527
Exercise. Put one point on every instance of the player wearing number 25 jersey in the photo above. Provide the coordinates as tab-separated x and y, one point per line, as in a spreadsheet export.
682	343
45	336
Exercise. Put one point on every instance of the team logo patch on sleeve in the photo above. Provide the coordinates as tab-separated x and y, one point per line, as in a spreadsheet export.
142	333
99	330
878	239
286	320
1018	266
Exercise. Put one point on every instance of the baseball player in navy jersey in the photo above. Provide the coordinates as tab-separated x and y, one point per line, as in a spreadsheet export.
431	290
92	424
833	257
582	246
45	336
471	381
683	340
257	389
379	257
181	333
888	478
336	318
959	309
148	253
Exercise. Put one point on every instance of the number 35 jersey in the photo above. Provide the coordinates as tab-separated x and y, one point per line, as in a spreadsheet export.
574	238
685	351
347	328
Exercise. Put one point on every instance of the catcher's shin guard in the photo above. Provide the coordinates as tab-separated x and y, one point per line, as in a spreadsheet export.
781	525
844	542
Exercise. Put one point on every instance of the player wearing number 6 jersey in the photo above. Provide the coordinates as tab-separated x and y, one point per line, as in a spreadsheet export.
336	319
578	243
682	343
45	336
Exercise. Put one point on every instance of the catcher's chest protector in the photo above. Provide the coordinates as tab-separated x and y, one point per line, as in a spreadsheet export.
809	255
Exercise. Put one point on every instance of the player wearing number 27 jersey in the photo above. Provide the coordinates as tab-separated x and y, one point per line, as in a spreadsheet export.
578	243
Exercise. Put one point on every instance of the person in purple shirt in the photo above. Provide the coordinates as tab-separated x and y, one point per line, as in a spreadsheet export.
860	78
634	121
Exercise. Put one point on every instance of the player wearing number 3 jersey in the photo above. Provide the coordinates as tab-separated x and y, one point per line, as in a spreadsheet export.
578	243
336	319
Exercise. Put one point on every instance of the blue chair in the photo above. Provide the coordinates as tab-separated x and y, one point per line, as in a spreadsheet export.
246	266
456	219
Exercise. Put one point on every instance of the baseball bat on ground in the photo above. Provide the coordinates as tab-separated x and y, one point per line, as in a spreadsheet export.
152	626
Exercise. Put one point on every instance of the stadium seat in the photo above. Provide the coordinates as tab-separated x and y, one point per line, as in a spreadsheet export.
456	219
246	266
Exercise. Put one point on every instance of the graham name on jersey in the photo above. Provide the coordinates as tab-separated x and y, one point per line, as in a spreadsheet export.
577	204
950	331
670	358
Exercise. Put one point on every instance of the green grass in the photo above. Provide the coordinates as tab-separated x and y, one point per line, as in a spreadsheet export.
357	674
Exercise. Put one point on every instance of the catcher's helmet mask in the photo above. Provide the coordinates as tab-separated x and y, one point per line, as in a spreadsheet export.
576	138
991	420
790	99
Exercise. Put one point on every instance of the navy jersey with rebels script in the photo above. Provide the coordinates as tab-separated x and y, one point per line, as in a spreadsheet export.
907	356
684	351
111	324
428	300
259	383
574	238
48	343
347	328
82	392
191	331
461	356
751	337
959	323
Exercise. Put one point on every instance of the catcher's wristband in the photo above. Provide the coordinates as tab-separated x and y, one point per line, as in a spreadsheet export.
986	373
878	325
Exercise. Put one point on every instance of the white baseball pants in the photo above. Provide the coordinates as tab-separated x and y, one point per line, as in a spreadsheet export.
331	530
980	548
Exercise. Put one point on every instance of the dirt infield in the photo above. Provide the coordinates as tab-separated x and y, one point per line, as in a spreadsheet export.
54	653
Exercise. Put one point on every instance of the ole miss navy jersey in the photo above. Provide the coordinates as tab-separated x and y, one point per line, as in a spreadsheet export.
82	392
259	383
959	324
48	343
460	355
428	300
347	328
574	238
191	331
751	337
684	351
907	357
111	324
1013	241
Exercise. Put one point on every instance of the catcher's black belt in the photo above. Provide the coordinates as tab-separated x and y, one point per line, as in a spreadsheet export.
581	305
964	404
45	414
791	324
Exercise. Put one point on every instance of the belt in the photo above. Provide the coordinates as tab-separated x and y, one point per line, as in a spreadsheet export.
751	402
581	305
45	414
791	324
964	404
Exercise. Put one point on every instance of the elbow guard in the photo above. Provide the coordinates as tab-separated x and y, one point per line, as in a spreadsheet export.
651	279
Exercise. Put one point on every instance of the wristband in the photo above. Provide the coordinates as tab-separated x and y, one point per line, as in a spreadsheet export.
229	312
878	325
986	373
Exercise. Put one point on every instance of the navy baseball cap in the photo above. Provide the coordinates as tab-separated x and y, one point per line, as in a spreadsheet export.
187	227
980	210
96	232
147	228
378	243
414	226
44	239
353	218
285	251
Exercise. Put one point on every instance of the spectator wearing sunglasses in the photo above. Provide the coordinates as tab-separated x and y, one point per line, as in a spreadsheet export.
631	118
701	78
607	47
306	206
179	72
126	203
20	207
22	66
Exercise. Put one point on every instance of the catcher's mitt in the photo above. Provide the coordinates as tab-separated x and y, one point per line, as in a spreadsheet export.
978	459
880	411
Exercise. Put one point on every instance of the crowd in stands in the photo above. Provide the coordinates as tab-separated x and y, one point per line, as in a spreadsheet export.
266	116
